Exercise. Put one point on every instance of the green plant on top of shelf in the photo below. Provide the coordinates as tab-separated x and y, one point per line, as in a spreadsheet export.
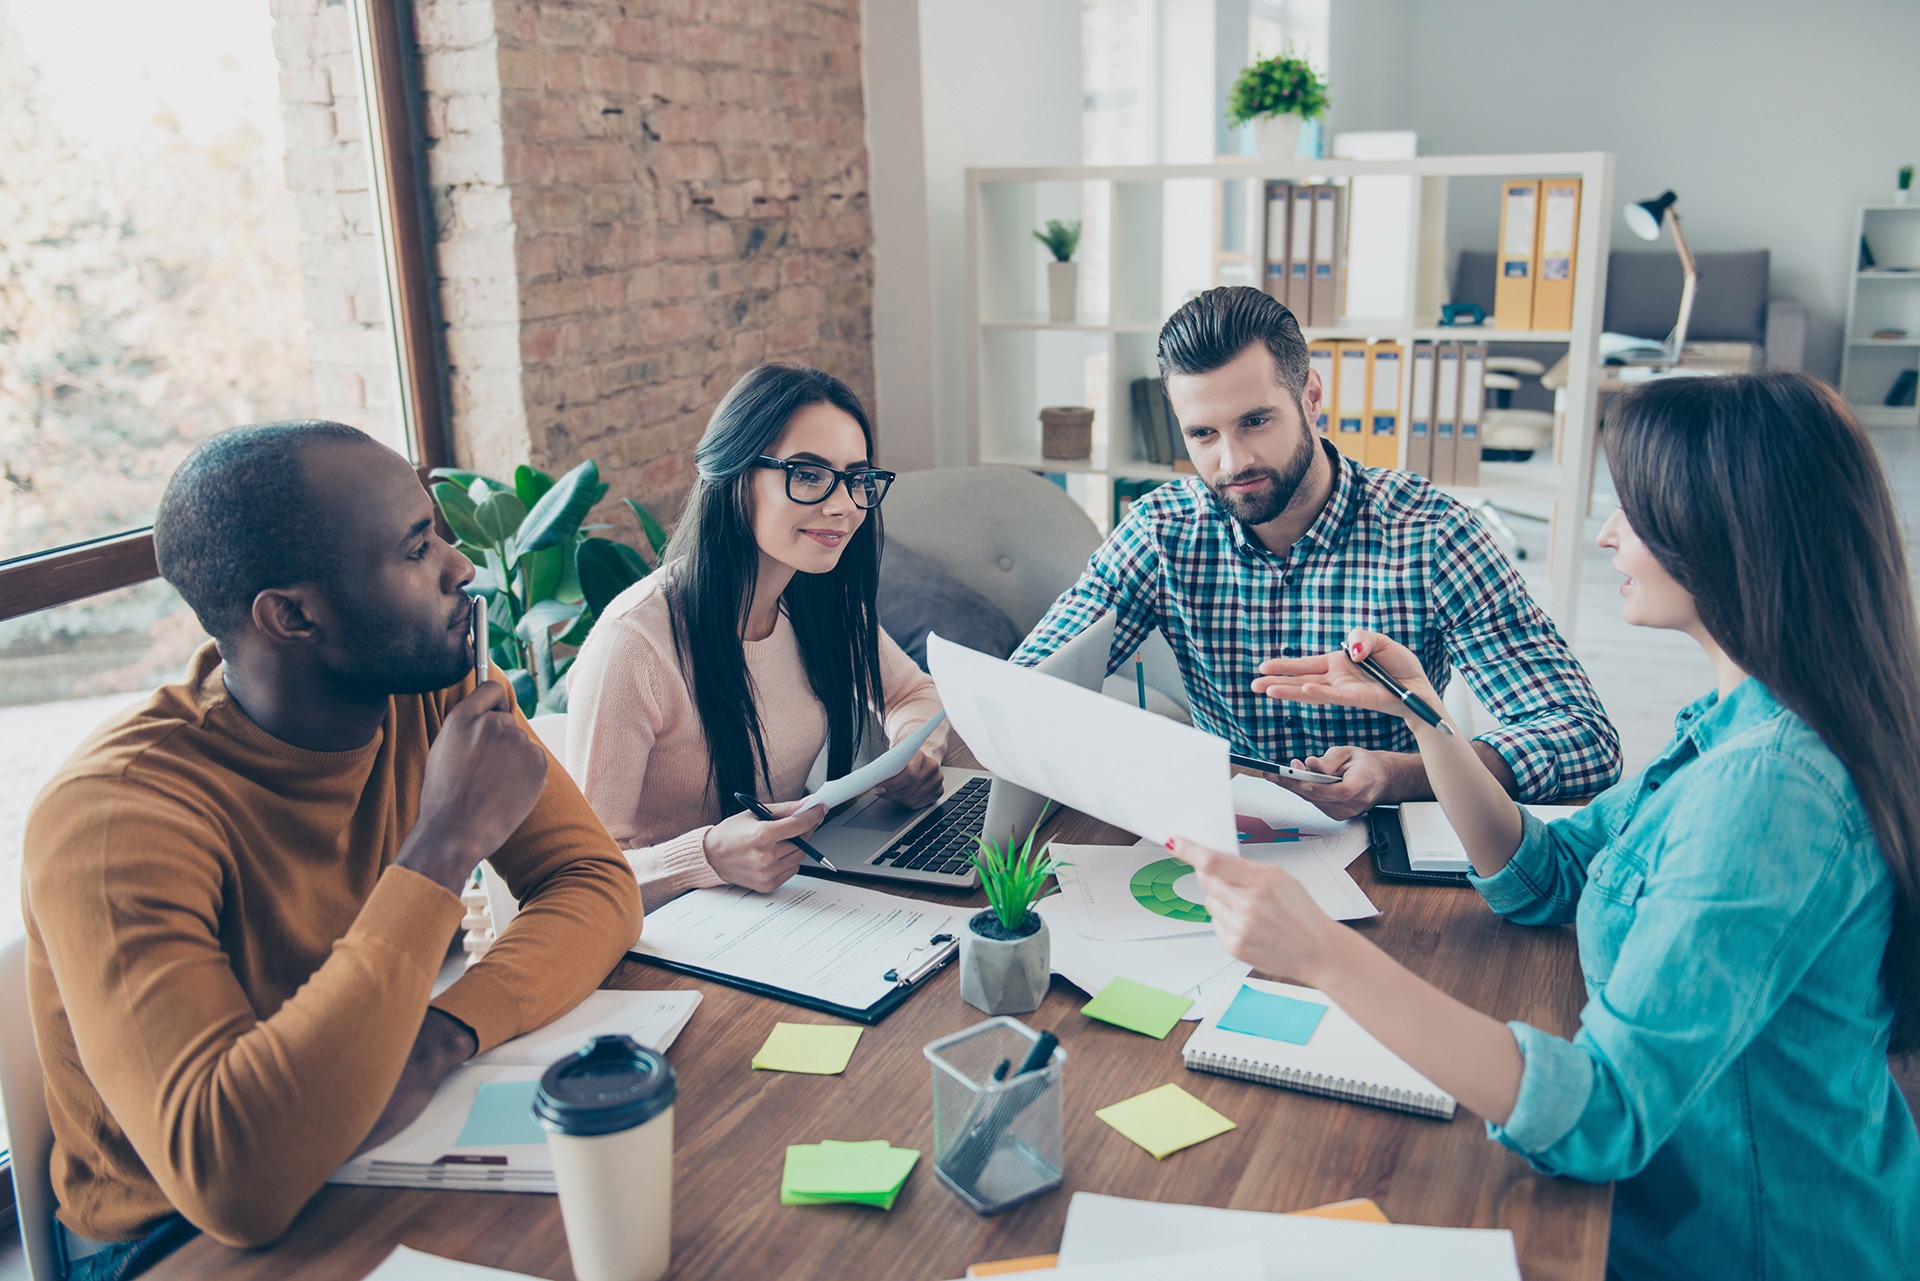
1060	238
1277	86
1906	177
1012	879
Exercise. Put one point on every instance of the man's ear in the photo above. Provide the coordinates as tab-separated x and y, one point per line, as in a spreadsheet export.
1313	394
286	615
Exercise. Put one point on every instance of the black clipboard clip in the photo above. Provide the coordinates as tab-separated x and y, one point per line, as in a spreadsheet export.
943	947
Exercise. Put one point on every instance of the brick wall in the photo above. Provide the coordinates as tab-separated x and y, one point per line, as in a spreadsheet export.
637	203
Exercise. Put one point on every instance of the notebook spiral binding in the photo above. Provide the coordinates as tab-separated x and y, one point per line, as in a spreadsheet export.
1333	1087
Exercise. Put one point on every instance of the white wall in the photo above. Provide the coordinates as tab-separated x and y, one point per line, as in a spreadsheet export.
1772	119
1000	85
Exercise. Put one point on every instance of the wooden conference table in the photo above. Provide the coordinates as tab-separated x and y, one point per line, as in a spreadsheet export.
733	1124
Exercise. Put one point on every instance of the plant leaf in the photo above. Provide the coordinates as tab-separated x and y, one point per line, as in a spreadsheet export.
542	617
606	568
458	508
499	517
542	572
531	484
577	634
524	692
655	532
557	516
466	479
555	699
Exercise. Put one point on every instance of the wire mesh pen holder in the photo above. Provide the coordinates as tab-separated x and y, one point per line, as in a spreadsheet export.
995	1142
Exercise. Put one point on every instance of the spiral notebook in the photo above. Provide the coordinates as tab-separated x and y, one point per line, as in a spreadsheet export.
1298	1038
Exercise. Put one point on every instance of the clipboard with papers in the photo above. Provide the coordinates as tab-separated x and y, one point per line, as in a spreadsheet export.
824	945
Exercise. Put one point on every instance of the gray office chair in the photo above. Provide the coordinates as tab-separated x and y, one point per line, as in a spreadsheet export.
23	1094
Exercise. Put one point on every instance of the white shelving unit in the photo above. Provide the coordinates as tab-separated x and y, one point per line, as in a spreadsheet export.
1136	270
1880	297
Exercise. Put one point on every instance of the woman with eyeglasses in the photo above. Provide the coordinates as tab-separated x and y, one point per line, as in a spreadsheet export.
1748	907
753	646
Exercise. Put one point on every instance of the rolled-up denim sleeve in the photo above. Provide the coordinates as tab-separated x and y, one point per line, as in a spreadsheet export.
1554	1088
1541	883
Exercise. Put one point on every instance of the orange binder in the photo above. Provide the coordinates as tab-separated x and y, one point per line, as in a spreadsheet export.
1446	410
1473	391
1279	201
1383	405
1300	254
1519	236
1420	410
1324	303
1322	359
1559	251
1350	409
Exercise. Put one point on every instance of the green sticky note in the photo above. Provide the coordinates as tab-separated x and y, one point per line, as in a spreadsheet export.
1273	1016
821	1049
502	1113
870	1173
1137	1007
1165	1120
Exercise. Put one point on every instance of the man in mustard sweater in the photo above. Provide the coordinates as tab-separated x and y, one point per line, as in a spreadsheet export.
238	894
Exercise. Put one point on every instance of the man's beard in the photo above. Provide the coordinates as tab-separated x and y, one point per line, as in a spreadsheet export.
384	657
1264	505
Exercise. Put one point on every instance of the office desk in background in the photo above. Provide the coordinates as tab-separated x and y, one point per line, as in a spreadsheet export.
733	1124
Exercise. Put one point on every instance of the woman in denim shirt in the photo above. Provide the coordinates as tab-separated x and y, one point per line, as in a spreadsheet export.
1748	908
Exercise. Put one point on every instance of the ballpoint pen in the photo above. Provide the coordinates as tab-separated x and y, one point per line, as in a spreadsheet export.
1415	704
765	815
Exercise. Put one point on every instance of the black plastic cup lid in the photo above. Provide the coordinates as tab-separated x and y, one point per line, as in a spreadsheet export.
612	1083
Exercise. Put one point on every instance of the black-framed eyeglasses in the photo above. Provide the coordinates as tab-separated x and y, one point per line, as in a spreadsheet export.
809	482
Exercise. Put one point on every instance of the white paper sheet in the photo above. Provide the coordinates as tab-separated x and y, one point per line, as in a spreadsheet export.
1152	776
653	1018
1269	803
818	938
412	1265
1242	1262
1097	887
1105	1229
876	771
1433	845
1321	871
1193	965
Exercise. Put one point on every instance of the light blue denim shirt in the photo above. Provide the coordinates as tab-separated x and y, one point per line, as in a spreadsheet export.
1730	1070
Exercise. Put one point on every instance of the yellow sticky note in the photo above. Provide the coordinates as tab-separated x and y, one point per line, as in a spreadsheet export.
1165	1120
821	1049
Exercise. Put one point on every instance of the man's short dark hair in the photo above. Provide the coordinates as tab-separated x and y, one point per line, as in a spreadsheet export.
1209	331
236	519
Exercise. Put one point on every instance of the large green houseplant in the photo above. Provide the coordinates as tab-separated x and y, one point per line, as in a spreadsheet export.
543	572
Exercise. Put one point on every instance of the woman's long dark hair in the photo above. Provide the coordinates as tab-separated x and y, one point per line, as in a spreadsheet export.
713	563
1762	496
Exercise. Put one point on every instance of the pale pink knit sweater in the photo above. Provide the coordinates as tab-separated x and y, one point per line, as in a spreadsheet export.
635	743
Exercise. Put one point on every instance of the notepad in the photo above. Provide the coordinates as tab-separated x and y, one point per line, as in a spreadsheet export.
1165	1120
502	1113
1137	1007
1337	1058
814	1048
865	1173
1433	845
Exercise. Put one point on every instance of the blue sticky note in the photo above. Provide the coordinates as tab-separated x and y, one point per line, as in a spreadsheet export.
1275	1017
502	1113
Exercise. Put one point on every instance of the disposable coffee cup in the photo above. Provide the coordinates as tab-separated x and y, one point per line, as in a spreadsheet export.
608	1114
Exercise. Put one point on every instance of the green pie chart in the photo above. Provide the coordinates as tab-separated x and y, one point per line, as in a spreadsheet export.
1152	888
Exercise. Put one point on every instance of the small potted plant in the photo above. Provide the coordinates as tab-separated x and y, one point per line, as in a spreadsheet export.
1005	957
1904	191
1277	95
1063	273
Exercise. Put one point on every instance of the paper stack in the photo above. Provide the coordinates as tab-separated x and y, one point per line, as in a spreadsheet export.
478	1134
870	1173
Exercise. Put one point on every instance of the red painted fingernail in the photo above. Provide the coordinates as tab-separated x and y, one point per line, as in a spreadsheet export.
1169	844
1355	649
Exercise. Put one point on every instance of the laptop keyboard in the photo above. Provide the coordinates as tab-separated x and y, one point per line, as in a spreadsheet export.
942	842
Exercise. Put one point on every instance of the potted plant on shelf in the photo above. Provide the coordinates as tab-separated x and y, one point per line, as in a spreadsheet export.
1277	95
1005	957
1063	273
1902	192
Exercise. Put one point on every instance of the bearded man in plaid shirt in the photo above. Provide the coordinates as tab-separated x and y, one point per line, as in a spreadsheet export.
1281	546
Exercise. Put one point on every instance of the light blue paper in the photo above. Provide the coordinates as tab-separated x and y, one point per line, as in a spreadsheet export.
1274	1017
502	1114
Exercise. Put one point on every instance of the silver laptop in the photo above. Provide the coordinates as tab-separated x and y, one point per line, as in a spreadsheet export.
872	836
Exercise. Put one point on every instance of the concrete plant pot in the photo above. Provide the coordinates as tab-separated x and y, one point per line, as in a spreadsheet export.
1004	976
1063	291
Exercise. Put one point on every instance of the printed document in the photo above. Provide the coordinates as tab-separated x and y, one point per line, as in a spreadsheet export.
875	772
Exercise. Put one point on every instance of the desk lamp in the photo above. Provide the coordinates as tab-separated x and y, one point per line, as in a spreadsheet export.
1644	219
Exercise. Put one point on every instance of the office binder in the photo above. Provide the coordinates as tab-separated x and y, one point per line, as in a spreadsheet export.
1324	304
1350	410
1473	389
1279	203
1149	439
1420	411
1519	235
1383	405
1446	410
1322	359
1559	250
1300	254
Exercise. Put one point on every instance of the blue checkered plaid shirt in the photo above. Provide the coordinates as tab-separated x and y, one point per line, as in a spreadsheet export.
1388	552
